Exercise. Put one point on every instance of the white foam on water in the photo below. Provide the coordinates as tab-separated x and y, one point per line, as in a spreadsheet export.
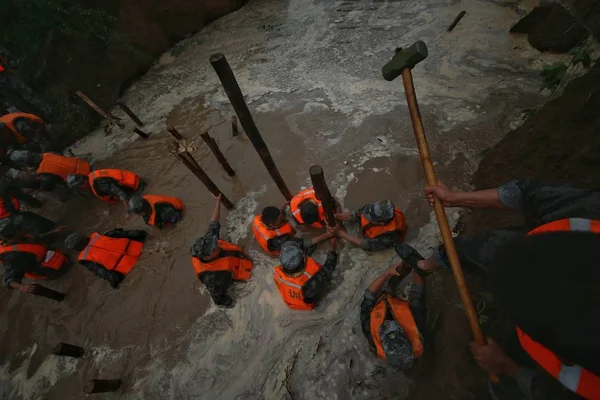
35	386
240	219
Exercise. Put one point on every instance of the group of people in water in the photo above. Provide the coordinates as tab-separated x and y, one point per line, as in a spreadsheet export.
30	251
553	349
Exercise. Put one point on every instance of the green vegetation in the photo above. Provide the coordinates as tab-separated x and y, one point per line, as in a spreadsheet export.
29	28
555	76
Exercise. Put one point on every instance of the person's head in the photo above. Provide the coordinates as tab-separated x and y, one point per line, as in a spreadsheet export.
380	212
138	205
76	241
272	217
76	181
206	248
547	284
396	345
25	158
31	130
10	230
292	258
309	211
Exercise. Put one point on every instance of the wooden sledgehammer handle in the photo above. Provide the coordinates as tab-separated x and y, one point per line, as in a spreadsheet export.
440	213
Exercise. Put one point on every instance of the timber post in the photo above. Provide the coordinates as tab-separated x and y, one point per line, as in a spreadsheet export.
236	98
214	147
323	194
69	350
102	386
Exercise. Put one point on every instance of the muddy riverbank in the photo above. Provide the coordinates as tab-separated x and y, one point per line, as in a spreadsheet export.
311	74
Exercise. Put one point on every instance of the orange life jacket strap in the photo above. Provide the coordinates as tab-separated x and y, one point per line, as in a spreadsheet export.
576	378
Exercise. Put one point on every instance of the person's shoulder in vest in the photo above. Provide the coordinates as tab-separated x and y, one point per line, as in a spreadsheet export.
218	263
110	256
159	211
271	229
393	325
382	225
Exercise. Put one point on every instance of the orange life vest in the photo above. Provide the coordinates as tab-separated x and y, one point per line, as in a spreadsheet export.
291	288
4	213
403	316
154	200
264	234
397	224
299	199
125	178
62	166
9	121
241	268
114	254
47	258
576	378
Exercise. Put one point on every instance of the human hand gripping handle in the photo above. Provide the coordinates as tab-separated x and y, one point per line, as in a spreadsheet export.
401	64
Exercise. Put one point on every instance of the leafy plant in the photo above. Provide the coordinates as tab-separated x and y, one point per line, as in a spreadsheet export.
553	75
483	299
581	55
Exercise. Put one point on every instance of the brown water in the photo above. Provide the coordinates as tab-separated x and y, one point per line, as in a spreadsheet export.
311	75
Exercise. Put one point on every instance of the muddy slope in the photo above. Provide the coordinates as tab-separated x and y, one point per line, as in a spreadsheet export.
560	143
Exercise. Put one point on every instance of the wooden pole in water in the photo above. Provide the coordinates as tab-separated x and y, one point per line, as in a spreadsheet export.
140	132
175	133
102	386
205	179
130	113
214	147
234	126
69	350
100	111
236	98
190	162
323	194
43	291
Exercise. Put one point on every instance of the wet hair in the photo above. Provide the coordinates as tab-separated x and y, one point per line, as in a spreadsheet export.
548	284
291	257
138	204
25	158
270	215
8	228
76	241
309	212
76	180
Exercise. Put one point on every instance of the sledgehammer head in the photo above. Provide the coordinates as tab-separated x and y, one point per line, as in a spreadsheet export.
404	58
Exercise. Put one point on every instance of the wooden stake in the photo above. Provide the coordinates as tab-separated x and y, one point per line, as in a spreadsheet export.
323	194
102	386
140	132
103	113
214	147
69	350
236	98
199	172
456	20
175	133
234	126
440	213
43	291
130	113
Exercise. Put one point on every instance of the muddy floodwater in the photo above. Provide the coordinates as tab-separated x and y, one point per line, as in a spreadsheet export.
310	71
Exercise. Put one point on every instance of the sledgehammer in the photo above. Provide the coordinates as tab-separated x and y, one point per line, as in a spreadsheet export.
401	64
